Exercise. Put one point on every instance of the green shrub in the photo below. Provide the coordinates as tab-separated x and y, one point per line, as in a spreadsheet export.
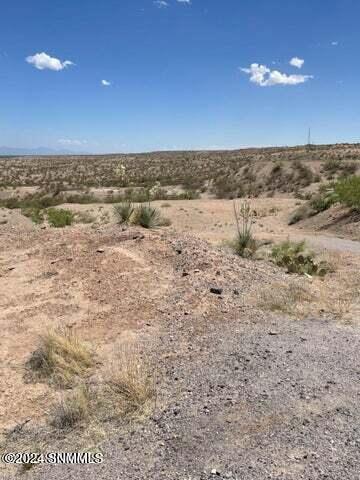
322	202
60	217
348	192
34	213
124	211
295	257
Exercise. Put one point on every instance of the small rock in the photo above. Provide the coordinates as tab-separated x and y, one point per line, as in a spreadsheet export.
273	333
100	250
216	290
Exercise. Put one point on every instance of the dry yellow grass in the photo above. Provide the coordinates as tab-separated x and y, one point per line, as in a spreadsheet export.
131	382
290	298
61	357
337	294
72	409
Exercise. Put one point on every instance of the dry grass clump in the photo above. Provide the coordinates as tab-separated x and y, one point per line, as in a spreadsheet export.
131	383
74	408
61	357
291	298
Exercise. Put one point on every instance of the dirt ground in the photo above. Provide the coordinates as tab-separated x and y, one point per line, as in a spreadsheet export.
243	391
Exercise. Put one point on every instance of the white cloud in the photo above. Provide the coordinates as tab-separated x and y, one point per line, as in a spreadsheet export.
334	44
264	77
161	3
105	83
297	62
43	61
184	1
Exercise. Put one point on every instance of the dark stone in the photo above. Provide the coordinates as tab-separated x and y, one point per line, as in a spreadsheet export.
216	291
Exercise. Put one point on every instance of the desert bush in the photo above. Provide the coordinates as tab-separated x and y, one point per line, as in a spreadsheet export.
131	382
124	212
318	203
84	217
332	165
60	357
60	217
304	173
350	168
348	192
72	409
244	244
34	213
296	258
301	213
321	202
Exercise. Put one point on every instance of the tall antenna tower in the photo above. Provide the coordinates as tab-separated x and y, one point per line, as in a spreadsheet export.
309	144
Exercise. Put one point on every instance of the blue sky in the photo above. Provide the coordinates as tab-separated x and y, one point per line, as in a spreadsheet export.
180	73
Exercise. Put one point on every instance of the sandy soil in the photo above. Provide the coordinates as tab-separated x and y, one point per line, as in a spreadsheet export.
248	392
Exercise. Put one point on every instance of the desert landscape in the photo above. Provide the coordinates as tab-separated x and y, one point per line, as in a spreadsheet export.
189	315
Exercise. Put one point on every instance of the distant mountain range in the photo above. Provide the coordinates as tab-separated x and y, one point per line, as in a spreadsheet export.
36	151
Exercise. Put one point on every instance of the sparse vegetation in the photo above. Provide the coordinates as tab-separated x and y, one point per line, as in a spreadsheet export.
228	174
285	297
132	383
72	409
34	213
296	258
244	244
318	203
60	217
84	217
61	357
348	192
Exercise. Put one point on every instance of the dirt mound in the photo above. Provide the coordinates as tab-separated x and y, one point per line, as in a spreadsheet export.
338	220
103	284
241	392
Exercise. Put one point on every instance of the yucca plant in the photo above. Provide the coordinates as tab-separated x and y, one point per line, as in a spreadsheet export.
124	212
147	216
244	244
